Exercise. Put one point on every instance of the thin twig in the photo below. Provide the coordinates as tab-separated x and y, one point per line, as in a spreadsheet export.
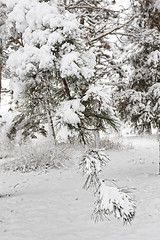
91	8
111	31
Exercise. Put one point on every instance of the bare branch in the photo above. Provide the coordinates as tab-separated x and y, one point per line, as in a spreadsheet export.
17	41
91	8
111	31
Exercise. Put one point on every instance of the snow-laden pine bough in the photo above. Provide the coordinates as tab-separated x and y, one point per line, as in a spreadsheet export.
110	200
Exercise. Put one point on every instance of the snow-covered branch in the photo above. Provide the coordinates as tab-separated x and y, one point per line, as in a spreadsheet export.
110	200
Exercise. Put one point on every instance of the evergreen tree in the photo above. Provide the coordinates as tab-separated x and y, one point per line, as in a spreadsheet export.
138	101
54	81
99	20
55	68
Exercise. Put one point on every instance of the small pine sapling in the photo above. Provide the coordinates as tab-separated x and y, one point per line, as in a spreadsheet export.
110	200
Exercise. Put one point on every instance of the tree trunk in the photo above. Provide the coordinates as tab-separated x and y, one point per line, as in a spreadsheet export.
97	139
159	150
0	70
0	82
96	134
51	126
50	121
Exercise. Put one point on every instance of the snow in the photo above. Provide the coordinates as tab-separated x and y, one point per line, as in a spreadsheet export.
69	65
111	197
43	27
69	111
154	57
30	58
54	38
51	206
157	4
101	93
6	115
10	3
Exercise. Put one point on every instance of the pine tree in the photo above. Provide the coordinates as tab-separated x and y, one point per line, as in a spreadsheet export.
138	100
55	68
99	20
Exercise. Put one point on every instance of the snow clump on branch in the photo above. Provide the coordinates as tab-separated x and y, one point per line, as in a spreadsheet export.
110	200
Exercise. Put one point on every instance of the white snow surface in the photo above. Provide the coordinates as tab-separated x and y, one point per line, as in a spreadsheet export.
154	57
53	206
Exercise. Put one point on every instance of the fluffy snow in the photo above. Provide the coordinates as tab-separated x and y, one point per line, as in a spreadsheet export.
42	27
154	57
110	196
69	65
54	38
38	206
30	58
51	206
90	62
100	93
73	64
10	3
70	111
6	116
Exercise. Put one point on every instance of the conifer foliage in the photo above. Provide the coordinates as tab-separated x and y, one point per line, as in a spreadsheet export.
54	68
138	101
110	200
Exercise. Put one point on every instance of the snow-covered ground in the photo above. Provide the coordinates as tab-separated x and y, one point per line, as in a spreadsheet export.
53	205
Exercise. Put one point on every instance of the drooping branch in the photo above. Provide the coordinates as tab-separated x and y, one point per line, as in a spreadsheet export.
103	116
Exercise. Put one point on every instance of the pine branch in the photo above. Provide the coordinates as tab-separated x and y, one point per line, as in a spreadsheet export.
111	121
110	200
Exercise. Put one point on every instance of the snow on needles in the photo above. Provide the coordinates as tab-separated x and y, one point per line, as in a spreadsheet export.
69	64
43	28
110	200
30	59
70	111
154	57
113	201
